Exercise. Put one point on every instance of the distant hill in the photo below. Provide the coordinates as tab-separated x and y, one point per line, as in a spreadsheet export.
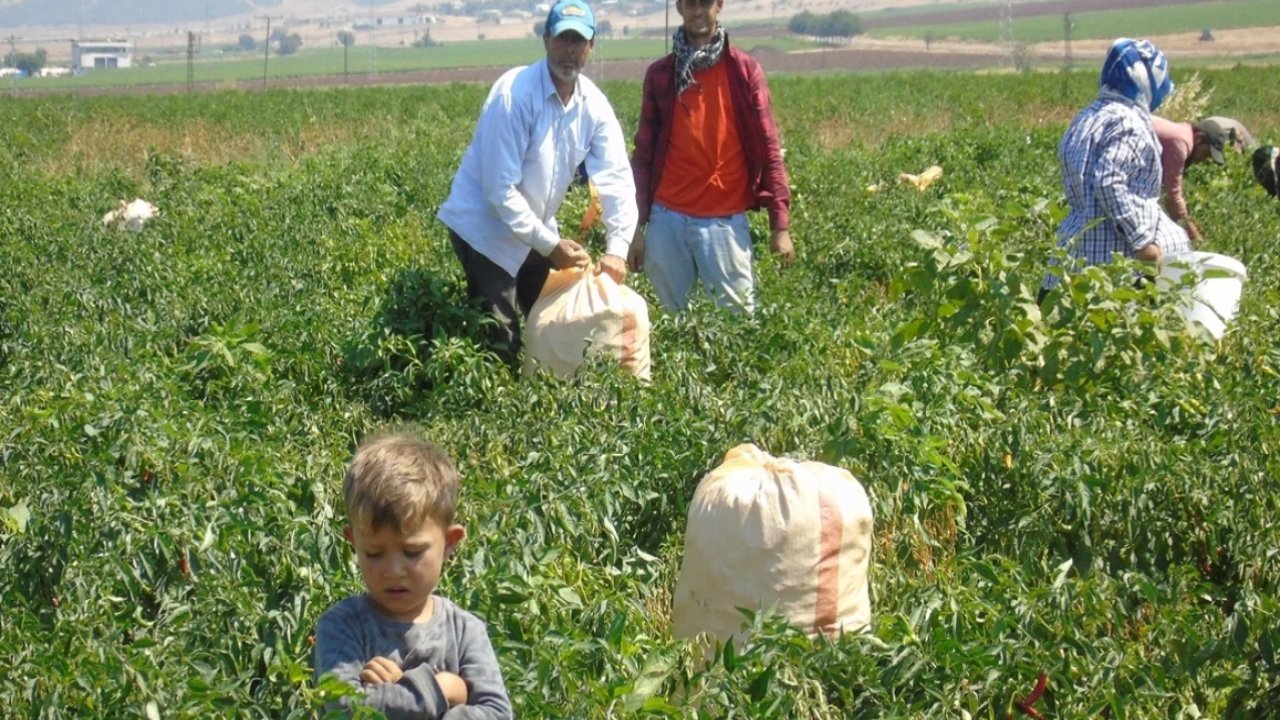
122	12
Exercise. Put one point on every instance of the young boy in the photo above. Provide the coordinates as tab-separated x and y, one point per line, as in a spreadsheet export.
414	654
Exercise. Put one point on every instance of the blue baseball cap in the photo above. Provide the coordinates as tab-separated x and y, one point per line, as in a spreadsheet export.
572	15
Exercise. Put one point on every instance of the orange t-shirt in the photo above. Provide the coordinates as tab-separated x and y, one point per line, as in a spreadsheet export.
705	174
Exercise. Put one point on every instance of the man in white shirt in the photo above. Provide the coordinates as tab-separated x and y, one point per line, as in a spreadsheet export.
538	124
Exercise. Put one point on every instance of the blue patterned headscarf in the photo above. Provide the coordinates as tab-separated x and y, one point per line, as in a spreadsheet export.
1136	70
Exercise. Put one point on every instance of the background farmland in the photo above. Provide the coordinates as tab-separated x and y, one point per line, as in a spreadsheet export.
203	50
1087	493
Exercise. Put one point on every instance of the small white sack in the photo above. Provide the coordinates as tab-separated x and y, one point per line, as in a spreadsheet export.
132	216
770	533
579	309
1214	300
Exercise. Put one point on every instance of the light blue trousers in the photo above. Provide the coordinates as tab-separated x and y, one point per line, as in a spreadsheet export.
680	249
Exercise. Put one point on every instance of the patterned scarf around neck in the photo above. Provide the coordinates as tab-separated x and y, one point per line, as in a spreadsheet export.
690	59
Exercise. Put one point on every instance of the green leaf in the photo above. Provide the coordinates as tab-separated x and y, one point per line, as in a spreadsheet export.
1061	577
926	240
17	517
656	670
570	598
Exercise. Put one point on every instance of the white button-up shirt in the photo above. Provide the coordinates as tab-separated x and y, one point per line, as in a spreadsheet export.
522	159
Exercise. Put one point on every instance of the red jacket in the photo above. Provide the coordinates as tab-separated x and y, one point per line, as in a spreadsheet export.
754	110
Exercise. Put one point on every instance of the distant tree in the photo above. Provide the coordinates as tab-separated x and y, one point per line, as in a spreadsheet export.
840	23
803	24
604	28
276	35
539	28
426	40
346	38
290	44
247	42
929	38
29	63
843	23
1023	56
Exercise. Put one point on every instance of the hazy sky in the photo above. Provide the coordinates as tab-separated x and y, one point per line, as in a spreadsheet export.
15	14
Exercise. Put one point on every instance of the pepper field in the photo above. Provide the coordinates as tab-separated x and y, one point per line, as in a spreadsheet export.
1088	493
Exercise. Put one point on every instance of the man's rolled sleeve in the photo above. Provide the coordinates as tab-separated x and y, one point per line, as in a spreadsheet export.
774	193
646	140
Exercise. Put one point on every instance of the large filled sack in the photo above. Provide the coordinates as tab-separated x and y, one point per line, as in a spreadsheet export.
581	310
770	533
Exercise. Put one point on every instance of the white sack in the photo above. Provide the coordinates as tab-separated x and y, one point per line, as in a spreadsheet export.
770	533
1215	298
579	309
131	216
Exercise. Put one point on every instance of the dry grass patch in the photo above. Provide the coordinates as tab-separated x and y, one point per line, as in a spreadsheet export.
125	143
841	133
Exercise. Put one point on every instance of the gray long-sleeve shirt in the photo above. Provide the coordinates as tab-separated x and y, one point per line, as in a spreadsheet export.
352	633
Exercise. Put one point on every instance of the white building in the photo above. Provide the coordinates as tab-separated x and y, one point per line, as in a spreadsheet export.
385	21
94	54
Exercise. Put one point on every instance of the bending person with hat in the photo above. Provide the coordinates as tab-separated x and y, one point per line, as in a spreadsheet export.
1185	144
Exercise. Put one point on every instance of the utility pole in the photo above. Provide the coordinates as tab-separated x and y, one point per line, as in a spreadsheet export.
13	58
666	41
1067	26
266	45
1006	27
191	60
373	41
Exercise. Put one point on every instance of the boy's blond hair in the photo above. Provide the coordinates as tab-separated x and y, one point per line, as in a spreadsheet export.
398	480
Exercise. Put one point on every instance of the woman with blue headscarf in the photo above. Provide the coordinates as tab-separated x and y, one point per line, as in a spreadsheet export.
1110	160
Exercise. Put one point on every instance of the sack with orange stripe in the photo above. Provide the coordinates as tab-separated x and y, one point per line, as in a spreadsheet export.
775	535
581	311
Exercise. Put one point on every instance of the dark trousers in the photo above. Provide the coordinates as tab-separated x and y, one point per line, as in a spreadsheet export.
500	294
